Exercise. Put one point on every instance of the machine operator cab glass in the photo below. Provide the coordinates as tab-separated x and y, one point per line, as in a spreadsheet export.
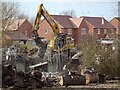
60	40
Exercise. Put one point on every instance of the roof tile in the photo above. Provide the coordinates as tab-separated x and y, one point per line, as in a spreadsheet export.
17	35
14	25
63	20
97	22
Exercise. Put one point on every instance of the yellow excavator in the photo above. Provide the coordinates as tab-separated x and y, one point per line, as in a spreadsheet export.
60	41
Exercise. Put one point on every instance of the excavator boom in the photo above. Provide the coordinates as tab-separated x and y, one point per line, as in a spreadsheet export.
42	11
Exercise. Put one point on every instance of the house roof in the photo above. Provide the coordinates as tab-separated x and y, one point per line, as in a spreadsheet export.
16	23
76	21
63	20
118	18
17	35
97	22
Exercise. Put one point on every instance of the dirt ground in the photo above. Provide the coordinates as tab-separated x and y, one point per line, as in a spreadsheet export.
109	85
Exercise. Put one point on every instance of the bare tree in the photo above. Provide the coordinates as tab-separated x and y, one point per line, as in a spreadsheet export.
9	11
69	12
22	15
99	56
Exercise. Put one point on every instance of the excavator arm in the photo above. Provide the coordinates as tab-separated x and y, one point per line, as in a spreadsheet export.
59	40
43	12
35	34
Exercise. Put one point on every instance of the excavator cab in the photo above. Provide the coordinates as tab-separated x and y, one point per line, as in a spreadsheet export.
60	40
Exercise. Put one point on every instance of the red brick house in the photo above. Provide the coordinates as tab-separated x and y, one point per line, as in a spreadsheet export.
22	25
82	28
64	24
97	27
116	23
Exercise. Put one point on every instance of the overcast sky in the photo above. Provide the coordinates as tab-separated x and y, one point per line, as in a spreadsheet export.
106	8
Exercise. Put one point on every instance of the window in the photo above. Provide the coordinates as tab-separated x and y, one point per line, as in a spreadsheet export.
83	31
25	32
46	31
112	30
69	31
105	31
98	31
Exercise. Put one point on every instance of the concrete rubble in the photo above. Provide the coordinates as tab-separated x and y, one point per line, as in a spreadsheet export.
32	79
34	75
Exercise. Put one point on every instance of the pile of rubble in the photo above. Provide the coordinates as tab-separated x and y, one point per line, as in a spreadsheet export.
14	79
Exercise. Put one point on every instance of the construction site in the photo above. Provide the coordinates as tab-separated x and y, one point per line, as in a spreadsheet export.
59	52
